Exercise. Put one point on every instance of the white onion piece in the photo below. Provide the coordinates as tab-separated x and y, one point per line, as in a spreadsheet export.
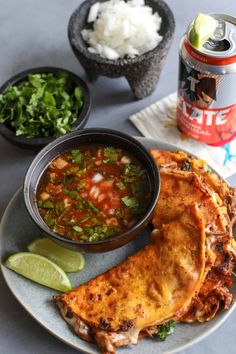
97	178
94	192
93	12
125	159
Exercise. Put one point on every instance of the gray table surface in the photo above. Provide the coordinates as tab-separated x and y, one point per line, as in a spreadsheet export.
34	33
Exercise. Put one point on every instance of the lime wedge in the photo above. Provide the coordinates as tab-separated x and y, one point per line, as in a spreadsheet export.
69	261
203	28
39	269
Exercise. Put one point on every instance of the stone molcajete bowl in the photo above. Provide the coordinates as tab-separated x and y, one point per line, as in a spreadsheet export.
141	72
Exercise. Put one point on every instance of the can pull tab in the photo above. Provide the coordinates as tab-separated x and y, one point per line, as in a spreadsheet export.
220	30
217	42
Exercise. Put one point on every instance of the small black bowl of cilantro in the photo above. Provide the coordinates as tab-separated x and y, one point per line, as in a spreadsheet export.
41	104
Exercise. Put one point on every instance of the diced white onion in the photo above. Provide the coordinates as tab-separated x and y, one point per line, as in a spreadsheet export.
94	192
97	178
125	159
93	12
122	29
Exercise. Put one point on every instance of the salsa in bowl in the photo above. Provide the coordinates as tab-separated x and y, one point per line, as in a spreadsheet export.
93	189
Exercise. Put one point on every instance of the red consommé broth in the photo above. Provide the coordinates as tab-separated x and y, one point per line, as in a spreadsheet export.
93	192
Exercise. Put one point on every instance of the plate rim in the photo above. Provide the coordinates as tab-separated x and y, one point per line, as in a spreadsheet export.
181	348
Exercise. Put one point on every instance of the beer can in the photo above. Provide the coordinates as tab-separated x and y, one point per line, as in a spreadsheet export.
206	107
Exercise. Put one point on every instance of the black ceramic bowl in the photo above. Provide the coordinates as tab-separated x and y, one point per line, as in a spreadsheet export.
141	72
75	140
37	143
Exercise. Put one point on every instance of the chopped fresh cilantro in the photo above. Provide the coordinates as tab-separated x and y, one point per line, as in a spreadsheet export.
133	170
92	206
110	154
85	218
43	105
48	205
111	231
80	186
48	219
77	156
166	329
40	203
79	97
120	185
79	205
73	195
65	191
130	202
77	228
59	207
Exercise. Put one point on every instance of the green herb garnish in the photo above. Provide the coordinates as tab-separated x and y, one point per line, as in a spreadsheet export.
77	156
77	228
111	154
48	219
133	170
92	206
130	202
120	185
80	186
48	205
166	329
73	195
44	105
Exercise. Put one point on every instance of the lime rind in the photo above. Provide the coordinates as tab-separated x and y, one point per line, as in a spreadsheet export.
70	261
39	269
203	28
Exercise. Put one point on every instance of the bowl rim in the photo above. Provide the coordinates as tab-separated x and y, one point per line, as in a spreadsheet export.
75	44
22	76
61	140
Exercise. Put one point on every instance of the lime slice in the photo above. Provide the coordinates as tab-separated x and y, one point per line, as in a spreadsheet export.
39	269
69	261
203	28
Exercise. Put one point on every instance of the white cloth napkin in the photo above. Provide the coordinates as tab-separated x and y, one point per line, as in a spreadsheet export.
158	122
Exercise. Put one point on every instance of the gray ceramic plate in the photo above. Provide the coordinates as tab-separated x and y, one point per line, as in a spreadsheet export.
17	230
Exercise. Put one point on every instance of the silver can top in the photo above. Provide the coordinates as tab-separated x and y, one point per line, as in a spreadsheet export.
223	43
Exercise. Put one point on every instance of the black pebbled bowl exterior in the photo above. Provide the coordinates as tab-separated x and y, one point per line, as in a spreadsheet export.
141	72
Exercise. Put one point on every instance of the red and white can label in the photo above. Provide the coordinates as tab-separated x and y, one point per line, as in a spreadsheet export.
206	108
214	126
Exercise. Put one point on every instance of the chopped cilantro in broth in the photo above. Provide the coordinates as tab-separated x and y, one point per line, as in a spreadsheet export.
93	193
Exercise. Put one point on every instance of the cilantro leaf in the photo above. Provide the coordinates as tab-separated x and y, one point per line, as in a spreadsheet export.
166	329
77	156
120	185
133	170
130	202
77	228
111	154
